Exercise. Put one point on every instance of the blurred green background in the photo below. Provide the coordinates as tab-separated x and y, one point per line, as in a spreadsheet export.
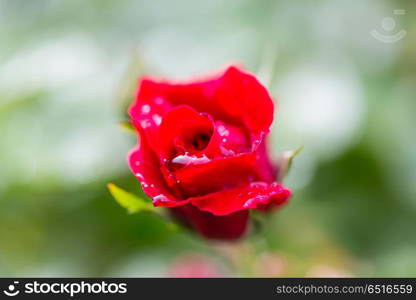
348	97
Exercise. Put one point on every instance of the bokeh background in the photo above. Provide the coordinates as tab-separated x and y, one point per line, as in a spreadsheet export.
66	69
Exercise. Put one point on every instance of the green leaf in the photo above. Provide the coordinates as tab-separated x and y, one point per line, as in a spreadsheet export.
131	202
286	160
135	204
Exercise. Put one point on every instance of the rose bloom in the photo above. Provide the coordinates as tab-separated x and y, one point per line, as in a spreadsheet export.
202	150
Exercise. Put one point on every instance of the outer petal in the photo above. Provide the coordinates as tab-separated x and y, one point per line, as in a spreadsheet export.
251	101
256	195
265	167
217	174
227	227
149	108
144	165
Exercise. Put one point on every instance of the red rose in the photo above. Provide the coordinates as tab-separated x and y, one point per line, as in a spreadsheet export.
202	150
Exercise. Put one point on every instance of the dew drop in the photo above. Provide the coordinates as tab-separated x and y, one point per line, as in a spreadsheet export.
159	198
226	152
146	109
145	123
139	176
186	160
181	159
159	100
157	119
223	131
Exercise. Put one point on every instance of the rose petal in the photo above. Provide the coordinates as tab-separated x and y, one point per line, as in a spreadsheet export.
179	125
144	165
265	167
149	108
252	196
249	98
217	174
227	140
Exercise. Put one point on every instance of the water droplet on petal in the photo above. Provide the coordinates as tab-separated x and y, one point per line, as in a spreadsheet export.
226	152
181	159
157	119
145	123
139	176
159	100
223	131
146	109
159	198
184	160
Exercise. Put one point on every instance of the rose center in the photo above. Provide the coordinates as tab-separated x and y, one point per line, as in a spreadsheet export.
198	142
188	148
